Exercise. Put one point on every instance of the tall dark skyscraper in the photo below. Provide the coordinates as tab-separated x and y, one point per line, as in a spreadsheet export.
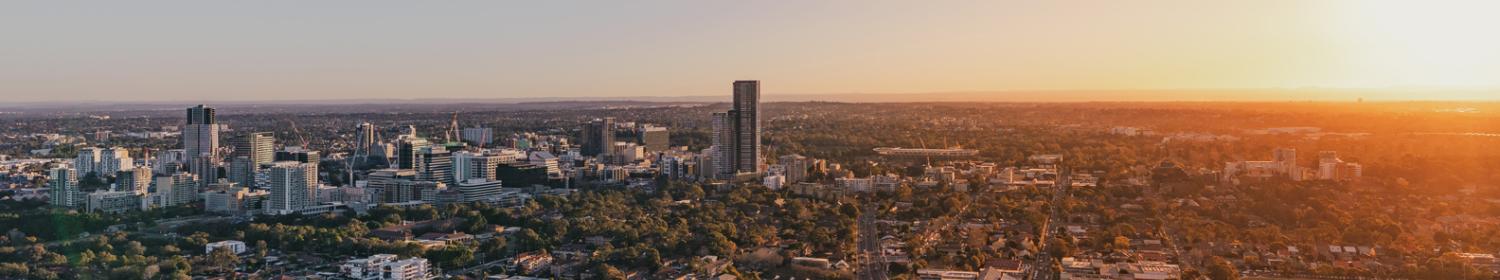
407	148
200	139
738	132
598	137
746	127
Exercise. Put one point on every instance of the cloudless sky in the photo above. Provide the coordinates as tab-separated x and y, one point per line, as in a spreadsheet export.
286	50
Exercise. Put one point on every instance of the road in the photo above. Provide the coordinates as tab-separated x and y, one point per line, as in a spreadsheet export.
480	267
872	264
1040	268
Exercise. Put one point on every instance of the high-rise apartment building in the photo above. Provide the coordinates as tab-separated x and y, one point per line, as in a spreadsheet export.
136	180
737	133
794	168
175	189
113	160
64	190
746	128
294	186
722	153
87	161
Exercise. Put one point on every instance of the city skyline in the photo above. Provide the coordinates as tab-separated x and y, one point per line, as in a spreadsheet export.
986	140
1141	51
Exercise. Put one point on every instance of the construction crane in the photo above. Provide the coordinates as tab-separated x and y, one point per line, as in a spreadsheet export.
452	133
298	132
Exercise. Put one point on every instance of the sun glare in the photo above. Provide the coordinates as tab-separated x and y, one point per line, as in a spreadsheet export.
1422	43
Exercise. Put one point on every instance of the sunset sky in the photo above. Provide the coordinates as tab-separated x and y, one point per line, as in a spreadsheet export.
288	50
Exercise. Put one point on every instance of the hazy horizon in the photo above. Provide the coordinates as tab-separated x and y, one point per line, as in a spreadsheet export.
1020	96
152	51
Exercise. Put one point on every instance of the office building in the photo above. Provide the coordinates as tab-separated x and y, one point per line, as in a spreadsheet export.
471	165
434	164
407	148
298	155
206	167
654	138
64	190
598	137
548	162
200	137
293	186
401	186
242	170
259	147
479	190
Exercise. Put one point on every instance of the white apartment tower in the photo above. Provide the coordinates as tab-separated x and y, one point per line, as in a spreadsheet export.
294	186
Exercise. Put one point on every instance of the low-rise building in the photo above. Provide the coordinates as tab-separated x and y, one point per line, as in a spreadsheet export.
386	267
234	246
114	202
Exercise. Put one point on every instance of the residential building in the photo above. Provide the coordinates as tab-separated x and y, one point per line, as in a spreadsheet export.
113	201
64	187
293	186
113	160
226	200
87	161
136	180
234	246
176	189
746	127
794	167
386	267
